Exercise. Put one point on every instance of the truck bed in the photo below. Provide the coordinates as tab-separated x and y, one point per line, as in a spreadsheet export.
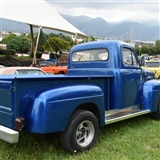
15	91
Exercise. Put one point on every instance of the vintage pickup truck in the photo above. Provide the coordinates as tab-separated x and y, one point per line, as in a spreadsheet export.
104	84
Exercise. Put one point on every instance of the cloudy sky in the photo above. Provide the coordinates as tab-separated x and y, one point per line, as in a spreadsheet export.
110	10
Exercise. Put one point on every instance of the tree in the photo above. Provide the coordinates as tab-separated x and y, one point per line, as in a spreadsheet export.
56	44
8	38
148	49
89	39
69	40
92	38
157	46
42	41
61	36
152	50
19	44
51	35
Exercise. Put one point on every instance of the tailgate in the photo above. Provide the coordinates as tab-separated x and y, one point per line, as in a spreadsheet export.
6	107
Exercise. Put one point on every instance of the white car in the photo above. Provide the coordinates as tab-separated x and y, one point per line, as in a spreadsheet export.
1	66
22	71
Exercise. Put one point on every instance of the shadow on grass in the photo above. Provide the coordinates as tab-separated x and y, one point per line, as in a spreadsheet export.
33	146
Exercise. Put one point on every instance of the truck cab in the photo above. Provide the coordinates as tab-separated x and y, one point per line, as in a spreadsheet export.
116	59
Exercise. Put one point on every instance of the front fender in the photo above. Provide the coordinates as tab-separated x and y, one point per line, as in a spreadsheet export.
151	95
49	110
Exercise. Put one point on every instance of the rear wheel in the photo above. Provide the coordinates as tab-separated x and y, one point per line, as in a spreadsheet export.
82	132
156	115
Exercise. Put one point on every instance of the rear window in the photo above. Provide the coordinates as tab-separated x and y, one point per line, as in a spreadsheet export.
90	55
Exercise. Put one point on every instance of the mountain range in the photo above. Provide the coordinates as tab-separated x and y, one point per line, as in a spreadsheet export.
100	28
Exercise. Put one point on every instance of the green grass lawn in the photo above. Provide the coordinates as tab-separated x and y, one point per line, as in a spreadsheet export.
133	139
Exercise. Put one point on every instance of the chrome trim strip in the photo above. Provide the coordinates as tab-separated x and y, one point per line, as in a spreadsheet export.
120	118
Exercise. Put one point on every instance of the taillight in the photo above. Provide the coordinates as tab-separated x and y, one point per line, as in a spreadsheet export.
18	123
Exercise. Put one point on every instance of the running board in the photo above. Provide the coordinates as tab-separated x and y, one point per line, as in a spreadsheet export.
112	119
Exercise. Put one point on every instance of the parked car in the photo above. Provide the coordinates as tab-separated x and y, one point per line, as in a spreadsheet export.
22	70
145	56
154	66
155	59
55	69
44	63
51	67
1	66
157	56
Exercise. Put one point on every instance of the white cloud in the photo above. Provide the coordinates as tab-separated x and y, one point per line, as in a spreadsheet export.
110	10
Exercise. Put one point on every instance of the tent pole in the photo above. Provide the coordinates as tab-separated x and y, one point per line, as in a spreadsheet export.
32	42
32	37
35	49
75	40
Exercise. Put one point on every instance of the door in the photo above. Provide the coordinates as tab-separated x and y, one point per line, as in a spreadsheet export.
132	78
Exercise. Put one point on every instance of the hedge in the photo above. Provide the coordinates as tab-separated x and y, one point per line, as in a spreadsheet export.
7	52
38	55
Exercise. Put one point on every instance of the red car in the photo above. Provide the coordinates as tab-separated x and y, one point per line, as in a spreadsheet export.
55	69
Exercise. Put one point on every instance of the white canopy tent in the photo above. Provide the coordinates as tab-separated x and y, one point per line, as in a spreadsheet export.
37	14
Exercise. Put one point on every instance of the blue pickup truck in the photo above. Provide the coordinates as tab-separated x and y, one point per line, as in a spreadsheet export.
104	84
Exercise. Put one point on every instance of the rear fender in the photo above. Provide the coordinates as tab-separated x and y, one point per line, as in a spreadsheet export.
151	95
50	110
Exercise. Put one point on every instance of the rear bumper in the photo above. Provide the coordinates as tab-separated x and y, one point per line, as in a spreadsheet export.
8	134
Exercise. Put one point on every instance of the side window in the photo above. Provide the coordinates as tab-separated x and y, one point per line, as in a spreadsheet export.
128	57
